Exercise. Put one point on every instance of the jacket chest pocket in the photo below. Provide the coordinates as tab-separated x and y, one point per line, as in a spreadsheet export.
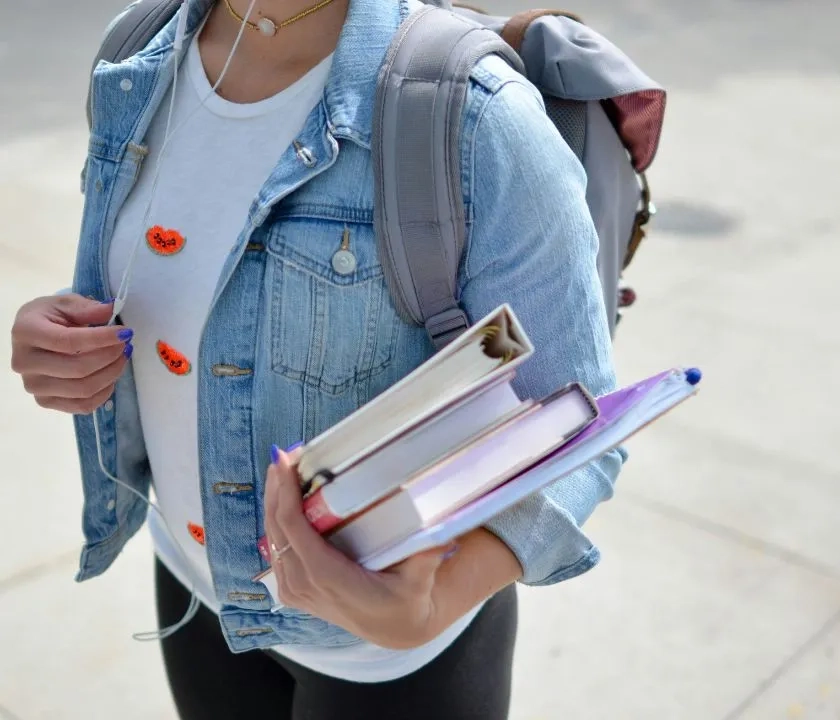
333	325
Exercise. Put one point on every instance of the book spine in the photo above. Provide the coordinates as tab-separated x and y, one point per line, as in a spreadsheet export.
319	514
262	546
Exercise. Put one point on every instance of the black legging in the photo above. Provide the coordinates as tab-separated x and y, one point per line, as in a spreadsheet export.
470	680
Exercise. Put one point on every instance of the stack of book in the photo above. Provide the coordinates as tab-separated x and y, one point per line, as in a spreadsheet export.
451	445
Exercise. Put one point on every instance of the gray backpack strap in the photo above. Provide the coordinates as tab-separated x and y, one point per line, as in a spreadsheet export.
419	209
132	31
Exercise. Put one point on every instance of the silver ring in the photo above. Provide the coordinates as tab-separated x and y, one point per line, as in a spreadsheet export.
277	553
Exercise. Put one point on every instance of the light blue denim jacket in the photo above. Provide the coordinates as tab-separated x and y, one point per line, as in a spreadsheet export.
312	345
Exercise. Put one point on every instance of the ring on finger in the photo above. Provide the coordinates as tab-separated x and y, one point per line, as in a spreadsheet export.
277	553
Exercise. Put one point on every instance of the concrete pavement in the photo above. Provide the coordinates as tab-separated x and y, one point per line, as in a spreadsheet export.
719	594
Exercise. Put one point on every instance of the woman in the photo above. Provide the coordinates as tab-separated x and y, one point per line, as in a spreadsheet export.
238	333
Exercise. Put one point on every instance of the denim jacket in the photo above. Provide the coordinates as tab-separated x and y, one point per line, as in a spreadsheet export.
310	345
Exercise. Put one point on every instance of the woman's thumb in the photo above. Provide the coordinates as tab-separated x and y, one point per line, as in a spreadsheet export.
82	311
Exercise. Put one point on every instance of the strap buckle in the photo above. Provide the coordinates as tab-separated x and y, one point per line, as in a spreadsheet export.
444	327
643	217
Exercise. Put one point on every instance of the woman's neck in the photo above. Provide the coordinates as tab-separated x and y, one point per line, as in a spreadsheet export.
263	66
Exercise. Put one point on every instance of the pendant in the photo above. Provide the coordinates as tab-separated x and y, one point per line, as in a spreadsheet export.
267	27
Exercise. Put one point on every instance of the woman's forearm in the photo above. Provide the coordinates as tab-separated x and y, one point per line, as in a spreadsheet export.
481	567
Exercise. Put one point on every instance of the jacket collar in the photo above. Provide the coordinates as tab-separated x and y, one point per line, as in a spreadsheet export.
351	87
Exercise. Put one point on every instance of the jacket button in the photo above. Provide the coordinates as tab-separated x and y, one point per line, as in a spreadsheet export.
111	505
344	262
126	85
304	154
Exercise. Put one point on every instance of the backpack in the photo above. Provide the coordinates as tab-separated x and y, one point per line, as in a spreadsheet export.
607	110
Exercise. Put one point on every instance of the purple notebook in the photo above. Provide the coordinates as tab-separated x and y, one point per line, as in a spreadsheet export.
617	404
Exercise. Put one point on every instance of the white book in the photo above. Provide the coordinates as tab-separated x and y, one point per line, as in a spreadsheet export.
380	474
492	347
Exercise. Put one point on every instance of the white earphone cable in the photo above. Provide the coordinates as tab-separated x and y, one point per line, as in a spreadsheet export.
122	294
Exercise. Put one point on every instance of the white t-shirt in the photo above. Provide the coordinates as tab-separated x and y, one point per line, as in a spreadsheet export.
213	169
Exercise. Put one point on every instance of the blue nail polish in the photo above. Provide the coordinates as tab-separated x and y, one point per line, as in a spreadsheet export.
125	335
275	455
693	376
109	301
294	447
128	350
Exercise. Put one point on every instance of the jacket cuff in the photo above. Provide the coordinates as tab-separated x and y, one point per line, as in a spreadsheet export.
543	531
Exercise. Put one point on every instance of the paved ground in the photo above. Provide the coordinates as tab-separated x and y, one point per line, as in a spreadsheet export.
719	594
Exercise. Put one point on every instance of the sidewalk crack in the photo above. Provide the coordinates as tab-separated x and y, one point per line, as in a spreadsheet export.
35	572
725	532
797	655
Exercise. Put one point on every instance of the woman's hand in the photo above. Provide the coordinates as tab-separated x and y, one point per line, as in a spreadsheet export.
64	362
395	608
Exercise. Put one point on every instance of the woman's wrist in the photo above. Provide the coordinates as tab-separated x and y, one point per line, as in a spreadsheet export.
482	566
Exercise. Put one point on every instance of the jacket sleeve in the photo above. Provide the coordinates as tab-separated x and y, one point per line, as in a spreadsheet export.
532	244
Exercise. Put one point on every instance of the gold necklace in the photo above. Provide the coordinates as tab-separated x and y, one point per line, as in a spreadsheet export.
267	26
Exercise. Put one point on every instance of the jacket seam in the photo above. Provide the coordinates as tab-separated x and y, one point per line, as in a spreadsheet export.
118	538
585	563
470	188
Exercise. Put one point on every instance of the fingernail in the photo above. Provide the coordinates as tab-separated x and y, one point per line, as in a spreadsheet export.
125	335
294	447
449	553
275	455
128	350
109	301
